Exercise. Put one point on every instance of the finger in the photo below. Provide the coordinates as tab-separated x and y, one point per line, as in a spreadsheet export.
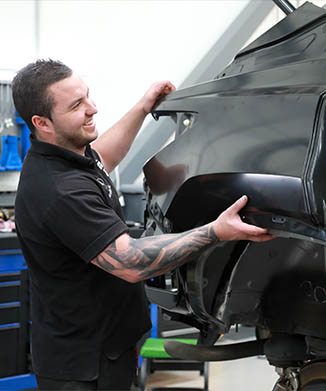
165	87
262	238
253	230
238	205
170	87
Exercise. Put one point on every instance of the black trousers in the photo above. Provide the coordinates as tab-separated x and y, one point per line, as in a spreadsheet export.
114	375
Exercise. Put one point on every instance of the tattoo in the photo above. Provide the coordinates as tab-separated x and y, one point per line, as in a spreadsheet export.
151	256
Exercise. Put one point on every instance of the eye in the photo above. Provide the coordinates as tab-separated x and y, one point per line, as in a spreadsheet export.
76	105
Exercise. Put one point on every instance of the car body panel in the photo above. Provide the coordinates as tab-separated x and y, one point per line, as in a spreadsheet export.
257	129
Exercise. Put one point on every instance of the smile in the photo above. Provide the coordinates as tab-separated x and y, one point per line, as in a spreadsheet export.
89	122
90	125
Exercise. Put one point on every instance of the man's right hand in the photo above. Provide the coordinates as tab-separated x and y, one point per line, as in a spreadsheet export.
229	226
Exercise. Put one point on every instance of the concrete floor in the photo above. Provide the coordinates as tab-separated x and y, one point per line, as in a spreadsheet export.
254	373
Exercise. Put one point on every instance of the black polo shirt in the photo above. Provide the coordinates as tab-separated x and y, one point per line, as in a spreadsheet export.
67	212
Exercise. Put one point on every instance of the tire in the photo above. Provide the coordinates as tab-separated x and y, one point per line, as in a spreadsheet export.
313	376
315	387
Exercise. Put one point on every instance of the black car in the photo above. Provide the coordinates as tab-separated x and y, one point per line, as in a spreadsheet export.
257	129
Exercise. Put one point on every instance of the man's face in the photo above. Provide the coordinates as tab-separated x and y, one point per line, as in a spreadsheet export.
72	114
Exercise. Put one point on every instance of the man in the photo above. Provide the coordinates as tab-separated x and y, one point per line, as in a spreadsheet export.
88	302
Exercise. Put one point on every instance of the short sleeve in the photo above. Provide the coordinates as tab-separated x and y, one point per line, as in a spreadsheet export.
84	222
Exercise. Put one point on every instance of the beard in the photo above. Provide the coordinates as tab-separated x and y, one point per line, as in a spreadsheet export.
75	142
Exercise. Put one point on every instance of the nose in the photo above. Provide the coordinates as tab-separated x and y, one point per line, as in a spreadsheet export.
91	107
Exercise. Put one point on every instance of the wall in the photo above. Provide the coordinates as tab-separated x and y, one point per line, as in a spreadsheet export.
124	46
120	47
17	31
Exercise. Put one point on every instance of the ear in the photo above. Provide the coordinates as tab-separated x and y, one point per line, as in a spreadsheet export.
43	125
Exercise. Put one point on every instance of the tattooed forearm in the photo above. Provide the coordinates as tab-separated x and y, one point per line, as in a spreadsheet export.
150	256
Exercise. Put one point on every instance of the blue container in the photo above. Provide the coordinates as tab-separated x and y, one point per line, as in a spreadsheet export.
10	159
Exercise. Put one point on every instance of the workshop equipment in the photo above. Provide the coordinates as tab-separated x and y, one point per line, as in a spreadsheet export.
14	317
155	358
14	144
9	130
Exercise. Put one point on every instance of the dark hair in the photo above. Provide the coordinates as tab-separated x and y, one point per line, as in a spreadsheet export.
30	88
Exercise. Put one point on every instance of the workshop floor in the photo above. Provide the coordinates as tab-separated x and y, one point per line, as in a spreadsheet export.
254	373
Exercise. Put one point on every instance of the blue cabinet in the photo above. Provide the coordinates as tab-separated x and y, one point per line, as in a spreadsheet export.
14	318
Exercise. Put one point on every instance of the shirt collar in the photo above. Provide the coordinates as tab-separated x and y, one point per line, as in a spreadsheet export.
48	149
